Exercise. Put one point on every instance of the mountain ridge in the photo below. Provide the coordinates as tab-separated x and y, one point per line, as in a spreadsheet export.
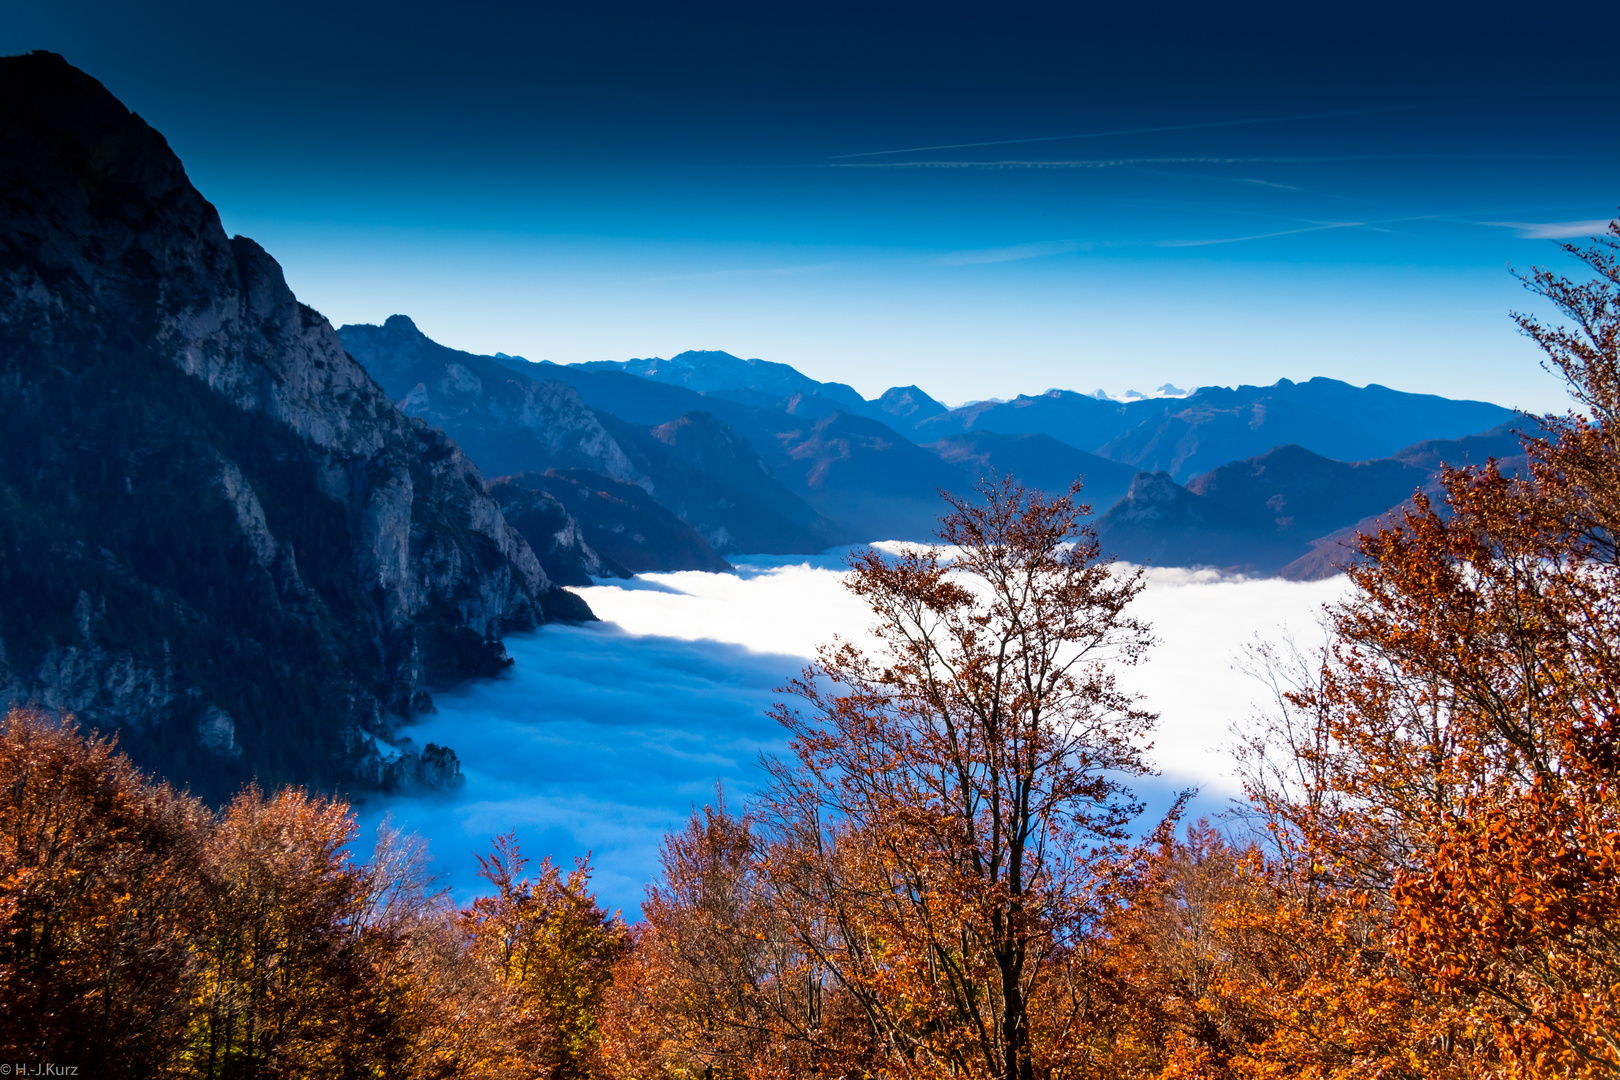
866	470
1288	512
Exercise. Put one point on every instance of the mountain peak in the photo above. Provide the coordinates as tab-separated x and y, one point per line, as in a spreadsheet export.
695	357
909	403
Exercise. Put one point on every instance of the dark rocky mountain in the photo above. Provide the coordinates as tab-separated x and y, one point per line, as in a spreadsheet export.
1038	461
515	417
558	539
629	528
1287	511
218	536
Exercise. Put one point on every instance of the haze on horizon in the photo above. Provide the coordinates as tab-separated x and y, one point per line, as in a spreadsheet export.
984	204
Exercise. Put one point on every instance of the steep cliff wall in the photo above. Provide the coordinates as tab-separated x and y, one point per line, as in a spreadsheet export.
217	533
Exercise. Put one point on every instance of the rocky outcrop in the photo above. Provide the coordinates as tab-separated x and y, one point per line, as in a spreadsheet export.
516	417
632	532
504	420
217	533
555	533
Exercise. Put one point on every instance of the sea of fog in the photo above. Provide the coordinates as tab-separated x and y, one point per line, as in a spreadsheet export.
603	737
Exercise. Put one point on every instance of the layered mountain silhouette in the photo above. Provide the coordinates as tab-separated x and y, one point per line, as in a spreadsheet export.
720	373
1245	478
1288	511
218	535
675	449
1183	435
1190	435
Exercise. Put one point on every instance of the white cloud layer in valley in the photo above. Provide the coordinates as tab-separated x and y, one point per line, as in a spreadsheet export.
602	737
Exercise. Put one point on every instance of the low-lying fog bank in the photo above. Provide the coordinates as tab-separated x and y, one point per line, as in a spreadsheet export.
603	737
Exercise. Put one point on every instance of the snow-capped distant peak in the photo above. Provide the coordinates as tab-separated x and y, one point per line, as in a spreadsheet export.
1168	390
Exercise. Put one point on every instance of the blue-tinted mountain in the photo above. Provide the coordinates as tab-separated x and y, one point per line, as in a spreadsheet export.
631	530
908	405
710	476
721	374
863	467
869	481
1191	435
864	474
516	417
1333	551
1082	421
506	421
1038	461
1188	436
218	536
1287	510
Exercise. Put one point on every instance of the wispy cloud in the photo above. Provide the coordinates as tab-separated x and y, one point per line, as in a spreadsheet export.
1130	162
1371	110
1555	230
1009	254
1262	236
1246	122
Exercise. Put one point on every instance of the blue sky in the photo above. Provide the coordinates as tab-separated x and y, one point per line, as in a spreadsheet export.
981	202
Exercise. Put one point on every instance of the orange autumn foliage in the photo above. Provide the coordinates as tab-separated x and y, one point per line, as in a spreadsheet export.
1447	825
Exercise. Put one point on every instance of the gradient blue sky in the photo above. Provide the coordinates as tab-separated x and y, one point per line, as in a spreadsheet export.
983	201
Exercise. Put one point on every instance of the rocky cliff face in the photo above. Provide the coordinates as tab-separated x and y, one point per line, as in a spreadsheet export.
504	420
217	533
631	531
513	420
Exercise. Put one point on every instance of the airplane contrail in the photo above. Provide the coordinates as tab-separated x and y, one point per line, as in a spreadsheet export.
1167	127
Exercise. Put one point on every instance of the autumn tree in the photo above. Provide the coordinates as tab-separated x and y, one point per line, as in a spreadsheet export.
955	809
289	965
99	880
708	984
552	948
1454	808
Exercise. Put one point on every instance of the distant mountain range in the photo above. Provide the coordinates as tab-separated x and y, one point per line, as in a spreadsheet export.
1180	435
1257	479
